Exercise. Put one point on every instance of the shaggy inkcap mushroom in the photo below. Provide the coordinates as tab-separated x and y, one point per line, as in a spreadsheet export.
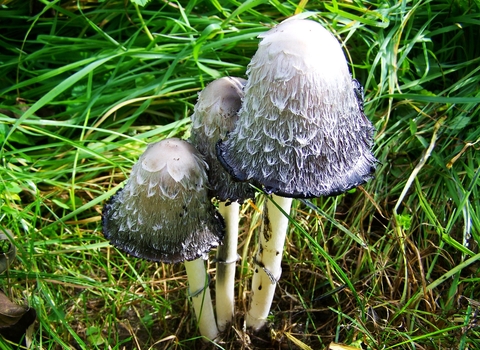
215	114
301	131
163	213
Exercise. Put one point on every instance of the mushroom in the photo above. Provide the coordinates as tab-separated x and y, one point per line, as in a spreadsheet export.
301	133
164	214
215	114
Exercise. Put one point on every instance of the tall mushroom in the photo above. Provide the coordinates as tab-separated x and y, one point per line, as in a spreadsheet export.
215	114
164	214
301	133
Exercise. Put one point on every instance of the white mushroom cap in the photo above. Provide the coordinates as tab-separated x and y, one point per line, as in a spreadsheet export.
301	130
163	213
215	114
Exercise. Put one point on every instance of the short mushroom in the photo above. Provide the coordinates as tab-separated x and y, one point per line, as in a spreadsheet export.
215	114
301	133
164	214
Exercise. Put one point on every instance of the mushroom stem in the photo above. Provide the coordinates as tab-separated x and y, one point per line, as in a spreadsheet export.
226	264
201	298
268	260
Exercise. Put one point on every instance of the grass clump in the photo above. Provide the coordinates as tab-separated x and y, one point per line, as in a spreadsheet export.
84	87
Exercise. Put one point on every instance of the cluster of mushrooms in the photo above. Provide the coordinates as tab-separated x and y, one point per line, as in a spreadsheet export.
295	129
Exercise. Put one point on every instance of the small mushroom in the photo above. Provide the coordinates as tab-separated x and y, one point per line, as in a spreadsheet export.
164	214
301	133
215	114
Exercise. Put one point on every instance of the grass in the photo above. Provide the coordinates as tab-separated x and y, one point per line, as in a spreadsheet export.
84	86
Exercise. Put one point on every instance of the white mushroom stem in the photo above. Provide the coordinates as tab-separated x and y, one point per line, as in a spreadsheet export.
268	261
201	298
226	265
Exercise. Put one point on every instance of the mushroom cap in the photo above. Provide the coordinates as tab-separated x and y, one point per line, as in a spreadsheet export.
301	130
163	213
215	114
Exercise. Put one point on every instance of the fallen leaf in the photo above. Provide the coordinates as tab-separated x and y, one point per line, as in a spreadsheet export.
14	319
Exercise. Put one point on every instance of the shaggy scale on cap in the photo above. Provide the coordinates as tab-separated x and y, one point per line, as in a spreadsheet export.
301	130
215	114
163	213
